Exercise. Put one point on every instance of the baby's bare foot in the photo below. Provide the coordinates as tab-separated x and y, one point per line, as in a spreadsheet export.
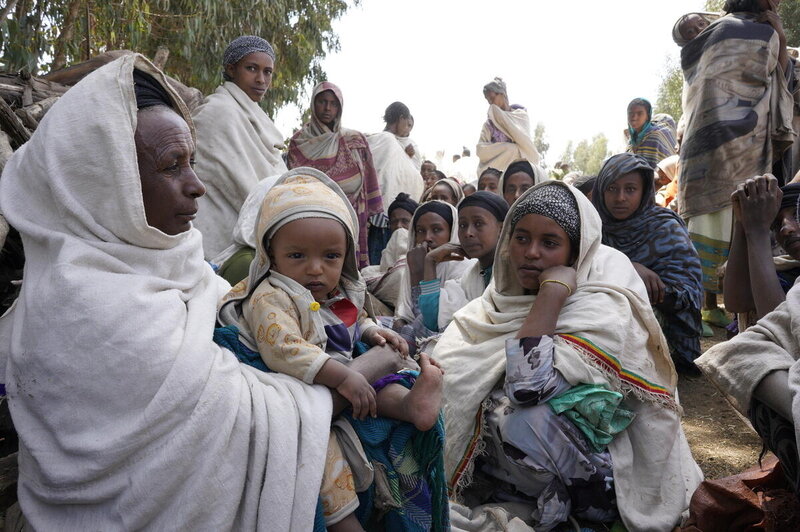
424	400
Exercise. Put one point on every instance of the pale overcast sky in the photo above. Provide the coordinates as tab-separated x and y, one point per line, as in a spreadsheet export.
575	64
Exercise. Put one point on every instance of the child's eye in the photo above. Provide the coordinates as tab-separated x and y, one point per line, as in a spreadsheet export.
550	243
295	255
334	256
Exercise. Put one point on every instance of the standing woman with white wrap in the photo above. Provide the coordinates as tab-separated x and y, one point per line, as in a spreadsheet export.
237	143
506	135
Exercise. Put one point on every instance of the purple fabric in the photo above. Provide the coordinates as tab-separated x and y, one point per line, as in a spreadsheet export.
393	378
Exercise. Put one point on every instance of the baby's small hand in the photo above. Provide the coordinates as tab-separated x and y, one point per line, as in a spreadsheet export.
379	336
360	394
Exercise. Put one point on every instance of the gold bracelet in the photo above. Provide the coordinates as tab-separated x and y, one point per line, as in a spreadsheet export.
562	283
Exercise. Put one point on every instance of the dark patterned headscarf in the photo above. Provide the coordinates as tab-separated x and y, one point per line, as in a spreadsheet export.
242	46
555	202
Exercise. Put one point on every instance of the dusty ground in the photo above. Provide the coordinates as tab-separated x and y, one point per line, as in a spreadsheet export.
721	440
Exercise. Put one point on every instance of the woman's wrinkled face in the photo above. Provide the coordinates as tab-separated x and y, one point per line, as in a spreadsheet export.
787	231
537	243
444	193
692	26
623	196
489	183
637	116
478	231
165	153
432	229
515	185
310	251
327	108
400	219
252	74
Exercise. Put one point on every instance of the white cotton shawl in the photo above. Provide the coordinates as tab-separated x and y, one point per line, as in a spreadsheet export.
395	169
404	309
405	142
609	314
129	416
454	294
499	155
236	148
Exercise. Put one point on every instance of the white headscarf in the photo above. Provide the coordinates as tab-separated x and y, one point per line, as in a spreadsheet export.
129	415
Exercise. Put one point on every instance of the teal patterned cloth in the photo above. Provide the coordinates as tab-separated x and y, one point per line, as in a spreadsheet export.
595	411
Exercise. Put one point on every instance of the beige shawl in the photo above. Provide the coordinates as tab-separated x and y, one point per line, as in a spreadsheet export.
516	126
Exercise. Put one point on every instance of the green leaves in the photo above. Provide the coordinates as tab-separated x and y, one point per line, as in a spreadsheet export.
195	31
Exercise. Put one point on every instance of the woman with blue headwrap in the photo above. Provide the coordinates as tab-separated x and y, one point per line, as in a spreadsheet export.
237	143
651	141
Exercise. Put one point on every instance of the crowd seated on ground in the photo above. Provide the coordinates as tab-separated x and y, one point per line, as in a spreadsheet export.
383	346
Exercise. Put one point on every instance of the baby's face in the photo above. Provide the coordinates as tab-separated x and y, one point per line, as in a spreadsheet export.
692	26
312	252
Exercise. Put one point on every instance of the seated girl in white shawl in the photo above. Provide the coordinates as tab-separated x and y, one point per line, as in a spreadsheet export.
237	143
435	223
480	218
561	373
506	135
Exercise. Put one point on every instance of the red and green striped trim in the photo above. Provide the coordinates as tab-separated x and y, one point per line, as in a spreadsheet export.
466	460
612	364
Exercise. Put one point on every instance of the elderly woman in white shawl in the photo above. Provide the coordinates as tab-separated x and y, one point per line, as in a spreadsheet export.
129	415
561	374
506	135
237	143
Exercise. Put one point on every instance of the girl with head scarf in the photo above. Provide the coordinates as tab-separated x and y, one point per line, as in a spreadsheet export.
652	141
657	243
344	156
506	135
237	143
564	325
435	224
519	177
446	190
480	218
